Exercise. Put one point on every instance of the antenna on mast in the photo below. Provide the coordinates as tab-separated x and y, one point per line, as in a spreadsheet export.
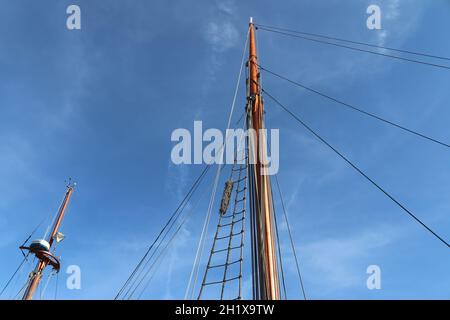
70	183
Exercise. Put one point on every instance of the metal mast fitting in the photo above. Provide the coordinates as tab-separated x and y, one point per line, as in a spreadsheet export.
42	249
265	274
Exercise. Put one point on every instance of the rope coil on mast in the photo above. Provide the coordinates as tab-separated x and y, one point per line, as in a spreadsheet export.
226	196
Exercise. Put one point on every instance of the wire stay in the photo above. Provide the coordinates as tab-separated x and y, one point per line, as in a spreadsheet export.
357	49
354	108
294	251
427	55
386	193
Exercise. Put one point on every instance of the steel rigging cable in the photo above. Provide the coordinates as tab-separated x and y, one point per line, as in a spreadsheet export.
156	264
139	274
290	237
354	108
167	225
354	42
357	49
196	266
412	215
14	274
25	256
279	250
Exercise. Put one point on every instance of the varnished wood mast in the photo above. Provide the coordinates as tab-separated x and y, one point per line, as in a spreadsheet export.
267	275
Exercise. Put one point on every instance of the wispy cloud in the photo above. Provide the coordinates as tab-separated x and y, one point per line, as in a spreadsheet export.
221	35
393	15
332	262
389	14
227	6
177	179
399	20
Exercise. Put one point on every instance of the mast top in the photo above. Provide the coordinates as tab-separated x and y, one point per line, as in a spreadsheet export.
251	20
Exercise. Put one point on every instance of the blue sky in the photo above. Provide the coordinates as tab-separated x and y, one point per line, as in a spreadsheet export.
100	104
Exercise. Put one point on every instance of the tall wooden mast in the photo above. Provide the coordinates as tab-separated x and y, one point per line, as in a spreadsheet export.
265	275
44	255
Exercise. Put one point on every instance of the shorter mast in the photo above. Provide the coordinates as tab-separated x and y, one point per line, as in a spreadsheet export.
42	249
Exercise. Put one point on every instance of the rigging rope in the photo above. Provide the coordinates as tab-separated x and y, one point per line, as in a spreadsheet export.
34	231
162	253
196	266
412	215
54	219
252	189
357	49
290	238
51	274
152	276
56	285
158	258
355	42
167	225
279	251
277	233
230	249
141	271
14	274
24	286
354	108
